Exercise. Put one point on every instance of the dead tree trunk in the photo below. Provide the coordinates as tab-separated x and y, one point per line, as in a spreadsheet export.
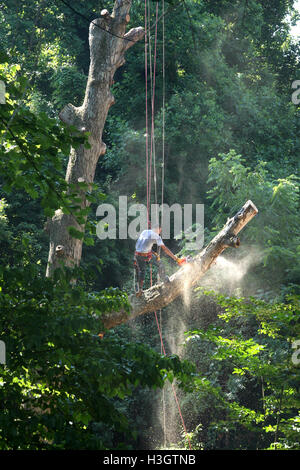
108	44
163	294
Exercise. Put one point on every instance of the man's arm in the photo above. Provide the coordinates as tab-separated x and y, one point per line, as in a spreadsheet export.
169	253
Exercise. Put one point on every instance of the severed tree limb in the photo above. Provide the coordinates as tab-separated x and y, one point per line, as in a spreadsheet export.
162	294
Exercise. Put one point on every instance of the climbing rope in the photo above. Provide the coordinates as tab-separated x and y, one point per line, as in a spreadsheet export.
149	167
146	93
152	150
162	184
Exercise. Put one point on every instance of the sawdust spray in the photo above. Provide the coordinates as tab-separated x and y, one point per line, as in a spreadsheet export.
227	275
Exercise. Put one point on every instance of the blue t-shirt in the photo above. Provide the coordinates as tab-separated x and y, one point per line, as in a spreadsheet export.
146	240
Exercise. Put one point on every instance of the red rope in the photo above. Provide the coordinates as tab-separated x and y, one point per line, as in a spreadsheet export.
153	101
146	82
148	175
160	334
173	388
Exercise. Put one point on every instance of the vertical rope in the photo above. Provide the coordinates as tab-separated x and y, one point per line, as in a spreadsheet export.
151	92
163	116
163	392
152	111
149	165
173	388
162	185
146	111
153	123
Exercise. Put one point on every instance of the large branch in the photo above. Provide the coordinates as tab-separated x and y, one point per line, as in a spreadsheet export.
163	294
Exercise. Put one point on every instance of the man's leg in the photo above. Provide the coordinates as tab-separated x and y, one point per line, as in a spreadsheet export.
137	274
141	268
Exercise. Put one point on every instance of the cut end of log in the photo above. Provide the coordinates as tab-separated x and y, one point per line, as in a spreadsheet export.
59	251
105	14
251	204
245	214
70	115
67	114
133	35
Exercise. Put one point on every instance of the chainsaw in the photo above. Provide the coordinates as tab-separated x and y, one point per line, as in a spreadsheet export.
185	260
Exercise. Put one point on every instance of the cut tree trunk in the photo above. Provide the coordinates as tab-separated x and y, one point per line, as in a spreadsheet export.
160	295
108	44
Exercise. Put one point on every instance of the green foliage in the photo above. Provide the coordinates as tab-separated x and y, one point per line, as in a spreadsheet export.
231	134
61	385
33	147
276	227
64	82
249	373
65	383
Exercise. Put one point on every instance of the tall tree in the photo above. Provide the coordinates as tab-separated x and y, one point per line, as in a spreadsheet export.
108	43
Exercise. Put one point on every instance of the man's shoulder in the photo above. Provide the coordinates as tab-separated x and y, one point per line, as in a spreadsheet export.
148	233
145	234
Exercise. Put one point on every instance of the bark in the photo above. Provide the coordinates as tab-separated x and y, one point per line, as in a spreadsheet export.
106	55
160	295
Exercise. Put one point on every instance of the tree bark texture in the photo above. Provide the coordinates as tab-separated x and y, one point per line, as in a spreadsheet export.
108	44
162	294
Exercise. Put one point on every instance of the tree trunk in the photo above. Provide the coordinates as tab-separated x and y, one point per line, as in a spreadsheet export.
108	44
162	294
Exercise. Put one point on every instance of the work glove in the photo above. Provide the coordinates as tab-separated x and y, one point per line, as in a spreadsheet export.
180	261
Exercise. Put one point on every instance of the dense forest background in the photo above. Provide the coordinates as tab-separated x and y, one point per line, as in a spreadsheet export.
231	134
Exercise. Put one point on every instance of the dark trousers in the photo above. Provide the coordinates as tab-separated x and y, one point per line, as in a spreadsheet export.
141	263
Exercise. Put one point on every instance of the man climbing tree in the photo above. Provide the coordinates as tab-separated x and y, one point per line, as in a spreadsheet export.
144	255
